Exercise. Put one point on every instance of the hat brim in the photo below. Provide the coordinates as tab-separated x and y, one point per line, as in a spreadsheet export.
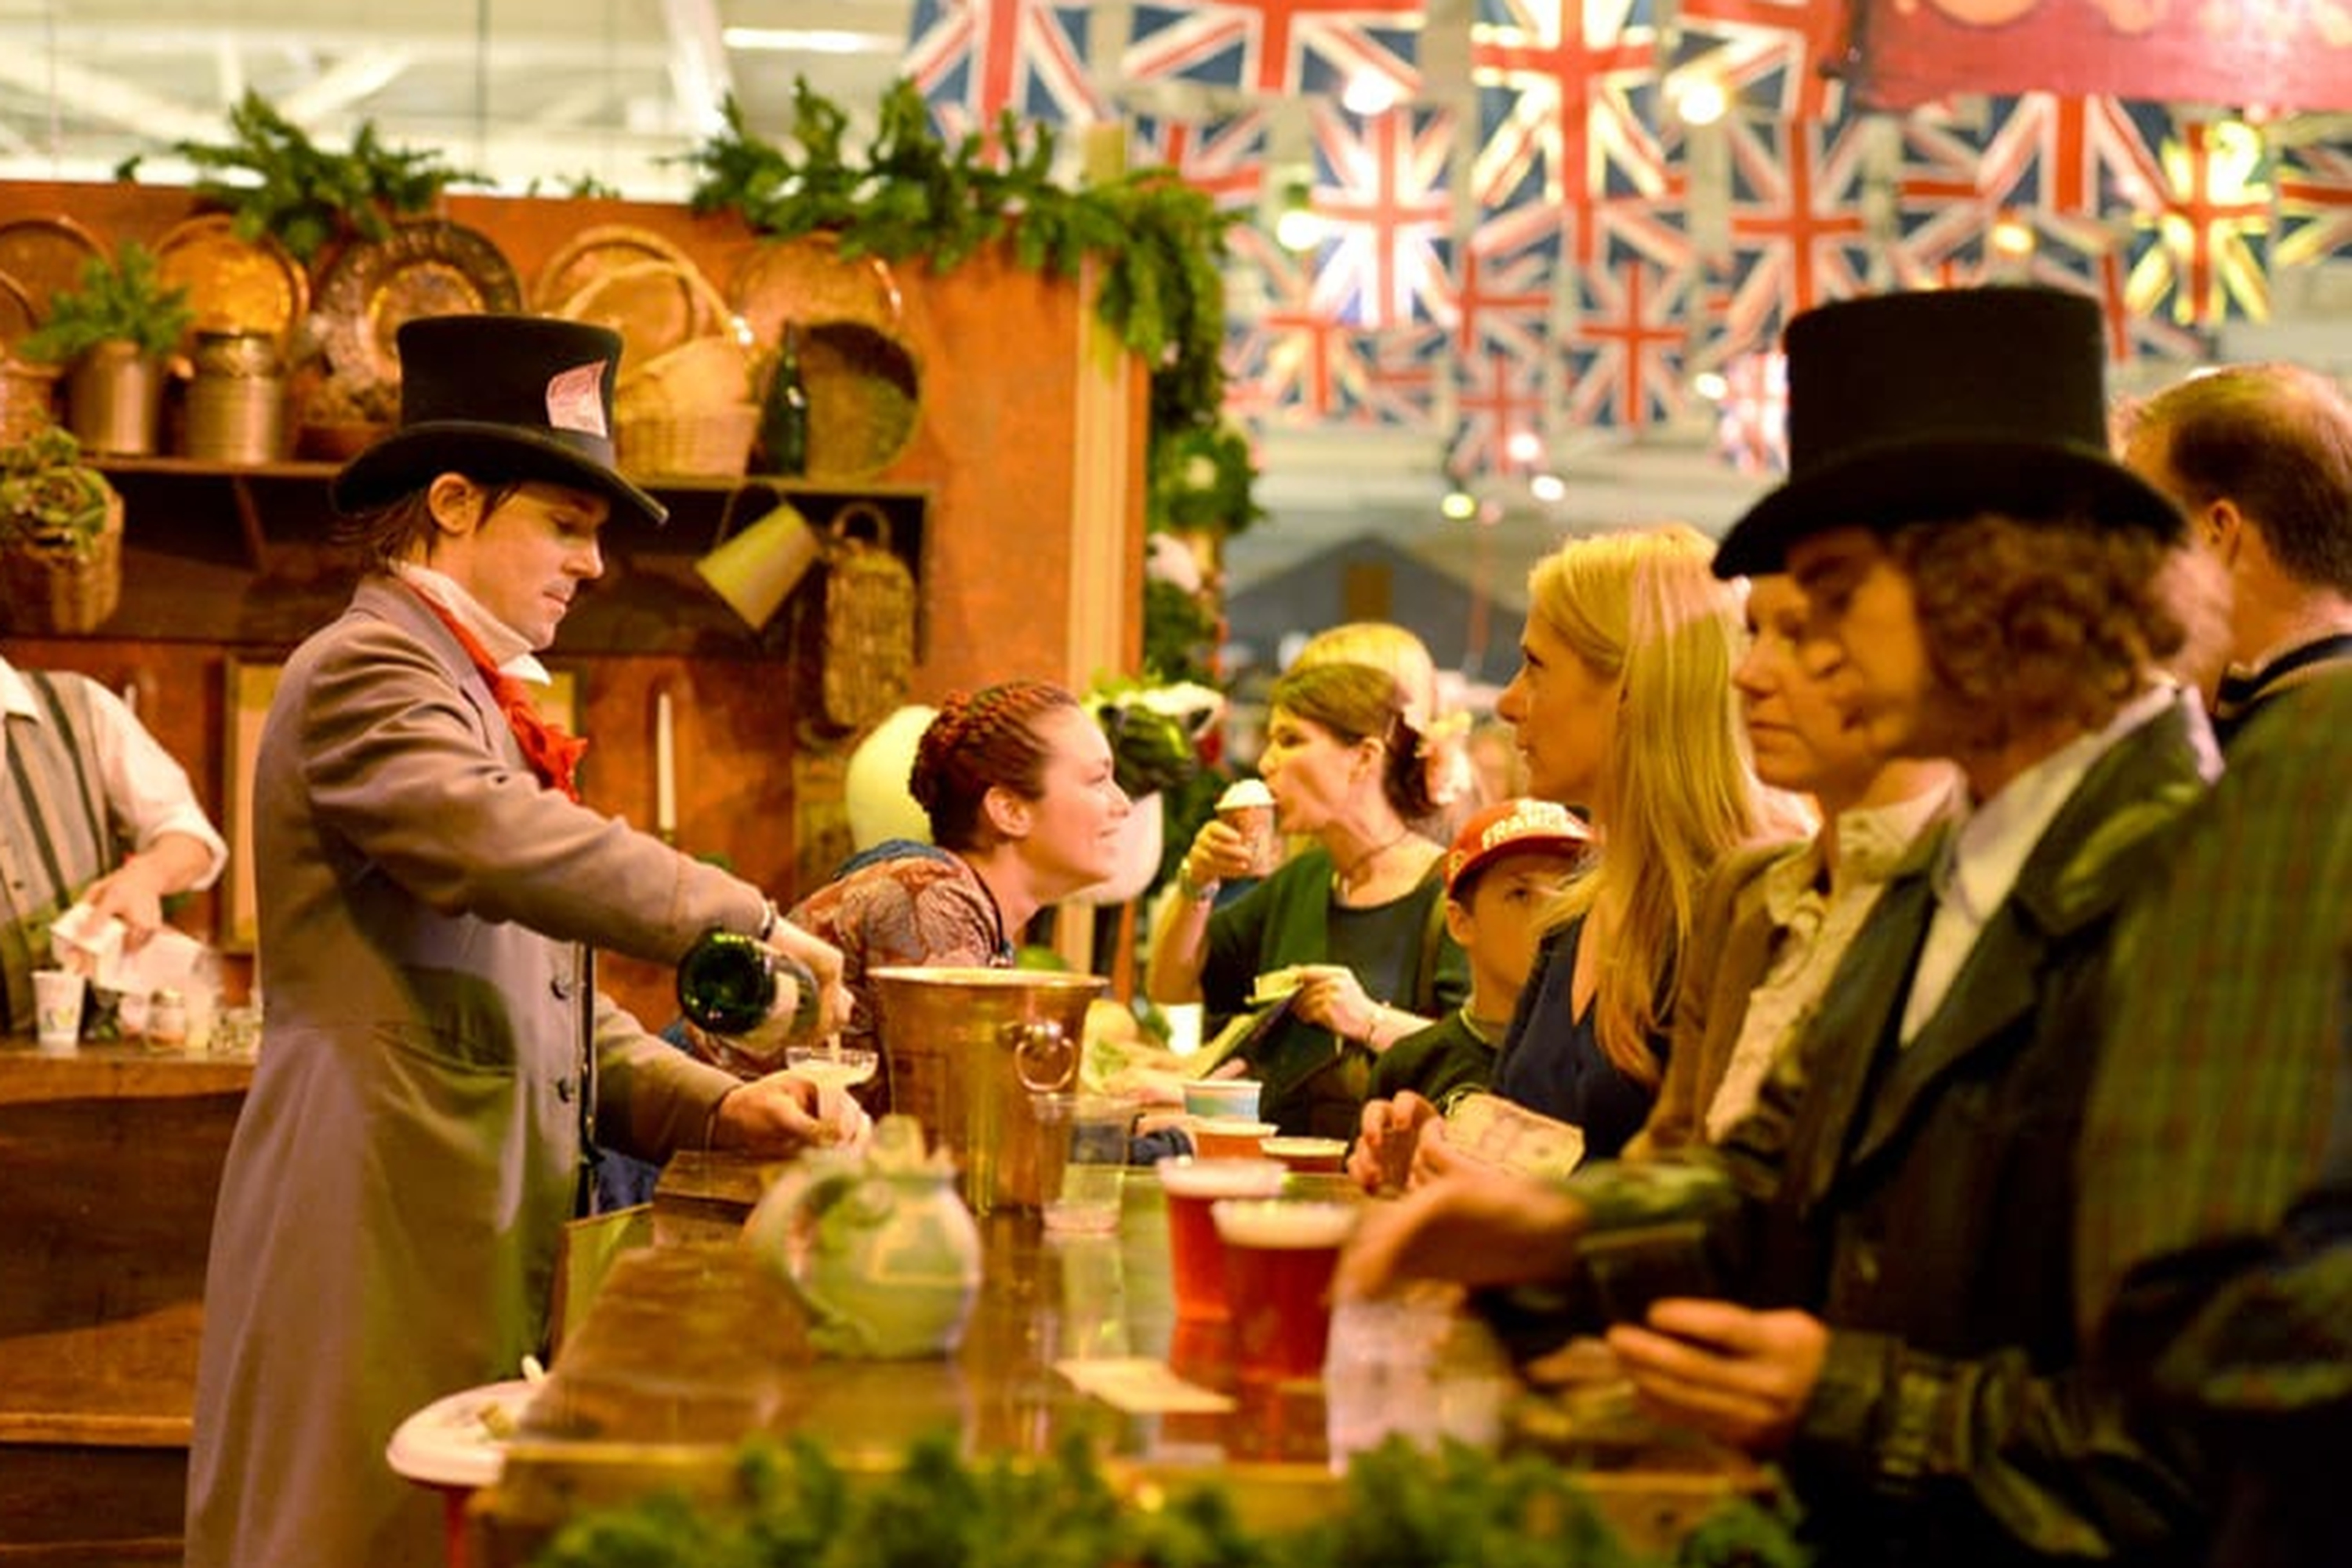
1933	479
408	460
1525	844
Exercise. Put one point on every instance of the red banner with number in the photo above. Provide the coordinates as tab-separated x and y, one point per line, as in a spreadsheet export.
2255	54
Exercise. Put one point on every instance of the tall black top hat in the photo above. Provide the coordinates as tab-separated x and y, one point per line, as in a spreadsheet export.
500	397
1917	407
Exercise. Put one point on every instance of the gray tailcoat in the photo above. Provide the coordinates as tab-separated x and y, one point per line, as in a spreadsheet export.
412	1142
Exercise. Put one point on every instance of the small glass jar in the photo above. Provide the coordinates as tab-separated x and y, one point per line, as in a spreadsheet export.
167	1020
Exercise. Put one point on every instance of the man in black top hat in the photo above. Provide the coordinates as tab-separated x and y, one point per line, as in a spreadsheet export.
1871	1280
436	1066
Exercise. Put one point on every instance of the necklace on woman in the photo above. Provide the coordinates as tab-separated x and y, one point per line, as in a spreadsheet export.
1344	878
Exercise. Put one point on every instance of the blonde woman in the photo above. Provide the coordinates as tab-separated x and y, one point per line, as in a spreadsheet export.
1624	707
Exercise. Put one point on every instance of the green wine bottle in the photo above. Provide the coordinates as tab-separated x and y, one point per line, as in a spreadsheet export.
785	418
732	984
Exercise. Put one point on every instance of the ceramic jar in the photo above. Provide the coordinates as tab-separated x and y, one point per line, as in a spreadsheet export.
879	1250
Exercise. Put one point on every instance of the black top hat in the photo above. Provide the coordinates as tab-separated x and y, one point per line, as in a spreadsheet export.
500	397
1916	407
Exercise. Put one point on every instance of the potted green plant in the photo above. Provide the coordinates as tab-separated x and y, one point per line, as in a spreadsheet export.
113	331
60	536
278	183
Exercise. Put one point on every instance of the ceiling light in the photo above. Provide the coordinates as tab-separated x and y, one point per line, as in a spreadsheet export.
1459	506
1701	100
1711	385
810	41
1367	93
1548	488
2012	236
1523	447
1298	228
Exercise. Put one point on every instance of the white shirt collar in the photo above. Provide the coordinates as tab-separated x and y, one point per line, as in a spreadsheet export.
508	649
1873	843
15	695
1992	845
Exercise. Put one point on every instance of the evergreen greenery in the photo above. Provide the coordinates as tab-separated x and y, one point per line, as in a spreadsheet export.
912	194
794	1507
120	301
276	182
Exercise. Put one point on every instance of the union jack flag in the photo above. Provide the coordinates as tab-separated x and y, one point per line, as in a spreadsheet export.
1278	46
2315	198
1293	360
2203	256
2066	154
1223	159
1941	214
1797	233
1780	59
1509	276
1405	380
1502	399
972	58
1569	97
2084	256
1624	349
1751	424
1383	190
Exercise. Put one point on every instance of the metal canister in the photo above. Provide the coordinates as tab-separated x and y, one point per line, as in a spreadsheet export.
237	403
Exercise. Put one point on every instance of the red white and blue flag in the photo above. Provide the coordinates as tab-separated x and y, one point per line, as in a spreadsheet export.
2315	203
972	59
1569	95
1780	59
1278	47
1798	239
1222	159
1384	188
1503	399
1626	343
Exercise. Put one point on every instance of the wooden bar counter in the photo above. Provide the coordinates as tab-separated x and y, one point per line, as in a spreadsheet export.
113	1159
691	1345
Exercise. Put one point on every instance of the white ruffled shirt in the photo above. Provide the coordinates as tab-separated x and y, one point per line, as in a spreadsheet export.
508	649
1814	927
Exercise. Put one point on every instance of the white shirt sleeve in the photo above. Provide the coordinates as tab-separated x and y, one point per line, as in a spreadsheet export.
146	789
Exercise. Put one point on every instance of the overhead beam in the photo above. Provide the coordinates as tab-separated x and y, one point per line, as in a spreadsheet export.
699	75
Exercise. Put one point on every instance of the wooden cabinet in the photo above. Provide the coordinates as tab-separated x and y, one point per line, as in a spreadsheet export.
114	1159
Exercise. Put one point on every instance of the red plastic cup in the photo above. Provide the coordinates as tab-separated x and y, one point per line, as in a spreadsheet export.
1280	1255
1196	1258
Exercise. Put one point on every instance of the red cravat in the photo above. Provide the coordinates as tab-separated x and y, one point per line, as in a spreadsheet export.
554	756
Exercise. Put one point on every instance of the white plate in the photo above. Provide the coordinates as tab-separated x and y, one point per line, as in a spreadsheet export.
448	1443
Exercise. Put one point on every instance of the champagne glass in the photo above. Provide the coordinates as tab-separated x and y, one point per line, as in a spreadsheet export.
834	1069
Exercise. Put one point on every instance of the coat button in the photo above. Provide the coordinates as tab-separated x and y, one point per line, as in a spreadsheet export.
563	1089
564	987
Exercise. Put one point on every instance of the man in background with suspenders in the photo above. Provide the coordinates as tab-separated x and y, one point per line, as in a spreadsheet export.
92	809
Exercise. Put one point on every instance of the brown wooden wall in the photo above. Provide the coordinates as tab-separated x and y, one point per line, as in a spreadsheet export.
1005	359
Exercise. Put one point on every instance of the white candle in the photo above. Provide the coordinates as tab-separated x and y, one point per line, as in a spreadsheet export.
665	770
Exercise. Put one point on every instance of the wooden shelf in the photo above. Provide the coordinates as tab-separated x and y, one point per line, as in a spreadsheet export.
243	554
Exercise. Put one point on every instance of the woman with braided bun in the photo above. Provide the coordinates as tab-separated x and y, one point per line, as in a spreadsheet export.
1016	782
1356	917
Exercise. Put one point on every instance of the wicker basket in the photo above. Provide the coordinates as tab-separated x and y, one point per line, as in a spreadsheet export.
28	397
697	444
50	590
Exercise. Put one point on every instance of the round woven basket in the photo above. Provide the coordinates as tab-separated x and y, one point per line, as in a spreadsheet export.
51	589
703	442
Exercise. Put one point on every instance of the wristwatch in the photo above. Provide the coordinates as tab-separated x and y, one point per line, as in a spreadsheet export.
1191	891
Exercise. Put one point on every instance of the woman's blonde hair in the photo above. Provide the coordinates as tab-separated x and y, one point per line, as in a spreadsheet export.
1644	608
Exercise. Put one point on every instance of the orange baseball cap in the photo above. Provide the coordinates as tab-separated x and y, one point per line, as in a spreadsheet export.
1509	824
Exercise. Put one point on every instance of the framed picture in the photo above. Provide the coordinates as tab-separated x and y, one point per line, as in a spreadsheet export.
252	684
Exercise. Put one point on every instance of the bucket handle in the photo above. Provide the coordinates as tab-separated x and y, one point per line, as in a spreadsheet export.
1042	1056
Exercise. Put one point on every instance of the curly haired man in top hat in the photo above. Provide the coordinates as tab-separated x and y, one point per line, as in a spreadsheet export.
436	1065
1870	1282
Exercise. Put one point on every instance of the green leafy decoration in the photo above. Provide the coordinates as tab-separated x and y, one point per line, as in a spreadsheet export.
50	502
120	301
912	194
276	182
793	1507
